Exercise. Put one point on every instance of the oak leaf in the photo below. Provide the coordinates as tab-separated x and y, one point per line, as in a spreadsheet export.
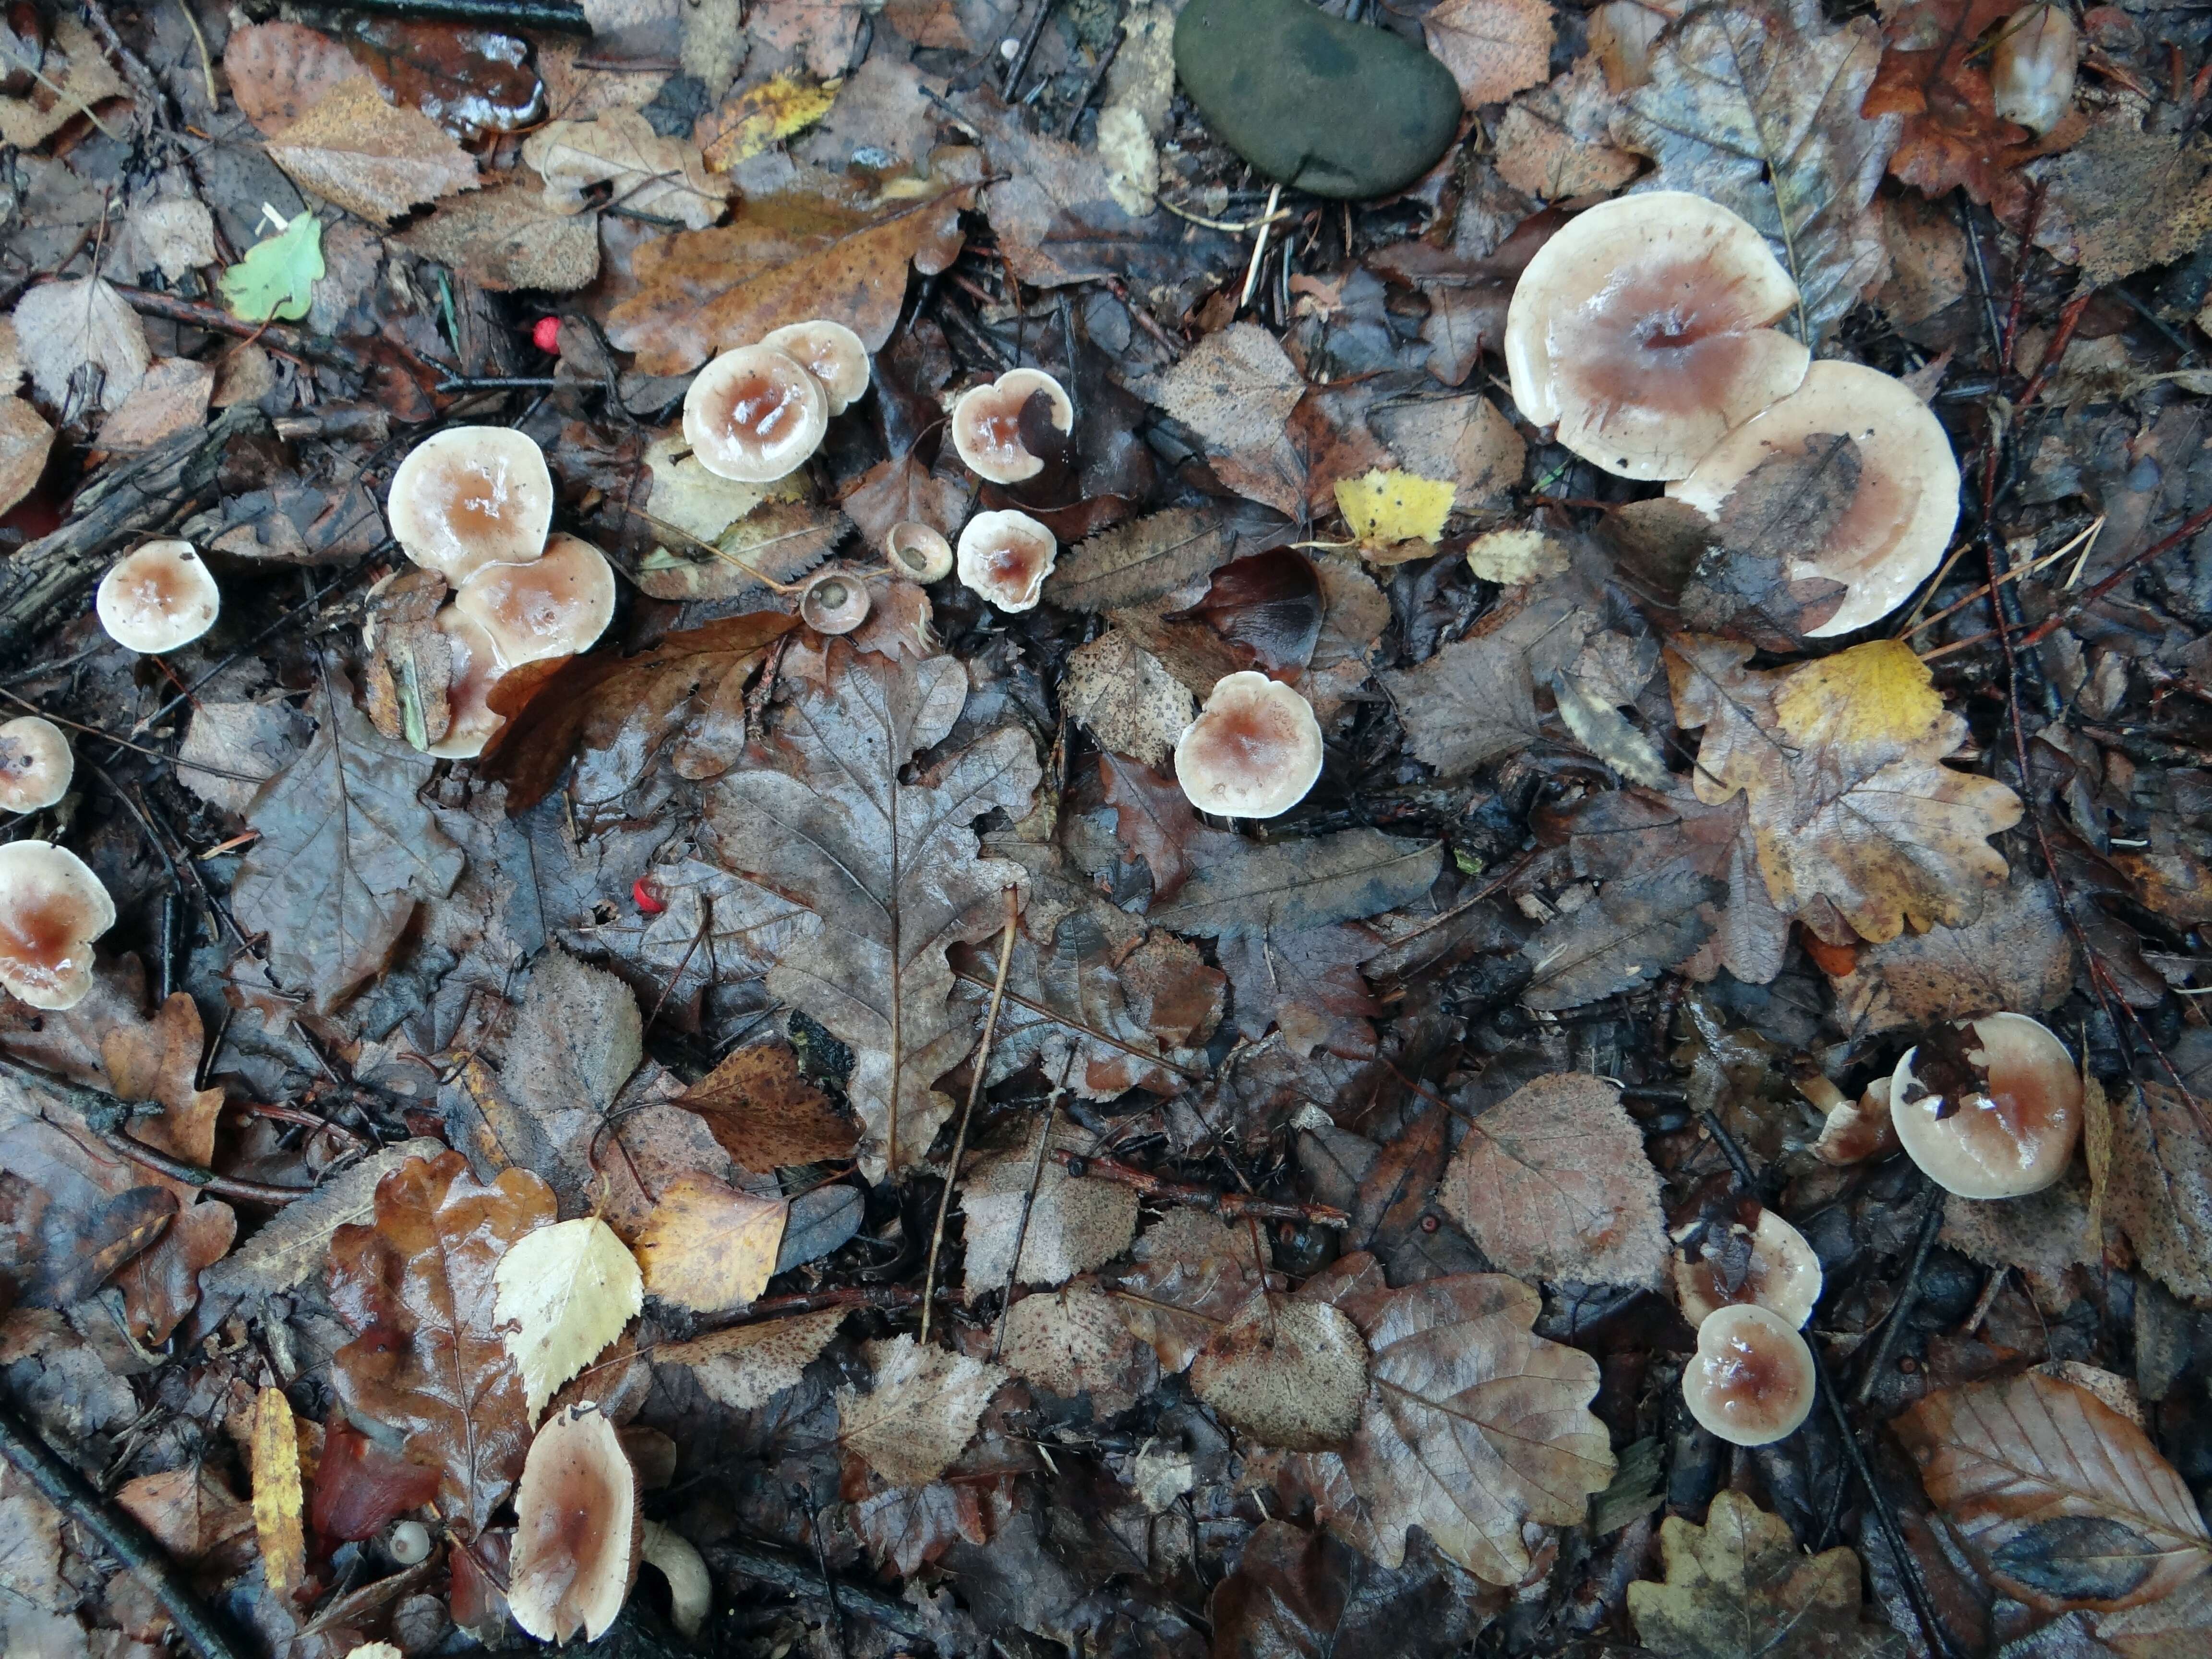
921	1413
362	154
707	1246
567	1290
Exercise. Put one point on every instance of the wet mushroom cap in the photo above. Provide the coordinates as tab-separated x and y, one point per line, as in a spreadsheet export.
1005	557
986	424
831	353
1640	330
755	414
1777	1268
35	765
919	551
1990	1111
555	606
834	601
1751	1381
158	597
1894	529
476	669
469	496
1254	750
51	908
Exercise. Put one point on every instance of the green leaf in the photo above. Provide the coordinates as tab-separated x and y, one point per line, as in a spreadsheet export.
274	279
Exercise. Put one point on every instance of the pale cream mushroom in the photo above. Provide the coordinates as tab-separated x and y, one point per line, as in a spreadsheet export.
834	601
476	669
986	424
1254	750
1005	557
1641	331
577	1534
158	597
918	551
1768	1263
469	496
51	908
35	765
555	606
2031	67
1988	1108
1894	529
831	353
1751	1380
755	414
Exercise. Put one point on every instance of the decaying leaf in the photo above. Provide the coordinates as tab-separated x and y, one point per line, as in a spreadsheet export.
277	1498
577	1529
371	158
566	1290
763	1113
921	1412
707	1246
747	1366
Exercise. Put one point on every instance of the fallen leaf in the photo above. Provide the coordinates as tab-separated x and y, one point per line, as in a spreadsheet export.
1935	75
1286	1371
763	1113
278	71
707	1246
2120	201
1395	516
747	1366
361	153
509	237
1074	1225
81	323
277	1498
566	1290
765	115
276	280
649	174
921	1413
1493	48
1073	1343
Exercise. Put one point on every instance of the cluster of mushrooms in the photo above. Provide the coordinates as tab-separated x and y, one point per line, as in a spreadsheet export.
1987	1108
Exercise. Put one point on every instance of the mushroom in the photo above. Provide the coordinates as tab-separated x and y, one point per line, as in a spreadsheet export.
1767	1262
831	353
1641	330
35	765
577	1534
51	908
1005	557
157	598
755	414
986	424
919	551
469	496
1894	529
555	606
1254	750
1751	1381
2032	67
476	669
1988	1108
834	601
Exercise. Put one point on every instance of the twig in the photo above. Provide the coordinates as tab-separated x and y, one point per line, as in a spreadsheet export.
1907	1294
1230	1207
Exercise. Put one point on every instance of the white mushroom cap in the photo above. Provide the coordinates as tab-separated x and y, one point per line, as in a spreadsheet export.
1780	1272
555	606
986	424
1641	330
1254	750
1990	1109
469	496
918	551
35	765
1005	557
51	908
1751	1380
831	353
477	668
159	598
1894	530
755	414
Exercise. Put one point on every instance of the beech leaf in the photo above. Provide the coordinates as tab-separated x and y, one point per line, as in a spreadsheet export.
921	1412
568	1290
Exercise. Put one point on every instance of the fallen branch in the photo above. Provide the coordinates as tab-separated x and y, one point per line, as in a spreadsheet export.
1230	1207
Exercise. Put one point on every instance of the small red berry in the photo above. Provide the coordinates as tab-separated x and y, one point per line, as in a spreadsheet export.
647	897
545	334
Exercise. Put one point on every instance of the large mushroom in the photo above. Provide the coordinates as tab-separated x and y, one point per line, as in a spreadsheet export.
554	607
51	908
831	353
1254	750
986	423
1988	1108
755	414
158	597
469	496
1641	331
1005	557
35	765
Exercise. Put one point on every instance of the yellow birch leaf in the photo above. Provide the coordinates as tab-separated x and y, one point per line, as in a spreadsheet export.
767	114
709	1246
1386	510
568	1290
276	1496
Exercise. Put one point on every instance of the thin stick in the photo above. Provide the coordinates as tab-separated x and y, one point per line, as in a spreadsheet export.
1260	246
1233	1207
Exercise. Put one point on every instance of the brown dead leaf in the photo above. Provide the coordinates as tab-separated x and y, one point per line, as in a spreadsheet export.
763	1113
707	1246
921	1413
649	174
1493	48
362	154
278	71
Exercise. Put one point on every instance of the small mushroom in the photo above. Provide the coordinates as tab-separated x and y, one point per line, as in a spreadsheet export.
1988	1108
834	601
2032	67
1005	557
1254	750
35	765
755	414
918	552
577	1535
554	607
1767	1262
157	598
986	424
469	496
1641	331
1751	1381
1897	522
51	908
476	669
831	353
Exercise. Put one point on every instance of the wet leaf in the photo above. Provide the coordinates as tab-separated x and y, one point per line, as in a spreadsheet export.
707	1246
763	1113
276	277
361	153
920	1411
277	1498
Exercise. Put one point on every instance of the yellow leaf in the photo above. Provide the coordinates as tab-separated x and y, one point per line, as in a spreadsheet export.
276	1497
766	114
708	1246
1387	508
569	1289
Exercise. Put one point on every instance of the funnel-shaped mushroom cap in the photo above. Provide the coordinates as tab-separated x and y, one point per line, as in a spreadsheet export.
555	606
755	414
986	424
1768	1262
35	765
1751	1381
831	353
1988	1108
1254	750
159	598
1641	330
469	496
477	668
918	552
1894	529
1005	557
51	908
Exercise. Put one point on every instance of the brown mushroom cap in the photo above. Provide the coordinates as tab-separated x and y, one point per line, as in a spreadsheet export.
1778	1268
1751	1381
577	1534
1254	750
831	353
555	606
918	551
1005	557
469	496
755	414
835	600
1641	330
1899	520
51	908
1991	1109
477	668
35	765
986	424
158	597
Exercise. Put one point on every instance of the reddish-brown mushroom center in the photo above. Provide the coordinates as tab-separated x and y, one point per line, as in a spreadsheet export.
761	410
1672	337
40	935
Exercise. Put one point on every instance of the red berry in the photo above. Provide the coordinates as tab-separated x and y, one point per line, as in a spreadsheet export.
647	897
545	334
